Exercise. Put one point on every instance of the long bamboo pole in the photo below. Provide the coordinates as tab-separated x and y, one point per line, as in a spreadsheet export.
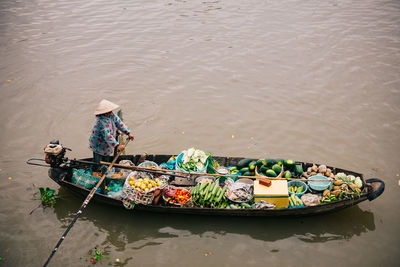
172	172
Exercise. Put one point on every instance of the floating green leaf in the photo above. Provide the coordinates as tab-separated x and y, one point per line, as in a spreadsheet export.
47	196
98	255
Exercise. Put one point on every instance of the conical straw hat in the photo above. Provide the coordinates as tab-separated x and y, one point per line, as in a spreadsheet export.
105	106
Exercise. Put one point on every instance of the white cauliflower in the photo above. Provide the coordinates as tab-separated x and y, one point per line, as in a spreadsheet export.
341	176
358	182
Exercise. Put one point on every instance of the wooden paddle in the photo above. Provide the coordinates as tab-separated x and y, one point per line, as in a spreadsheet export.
83	206
173	172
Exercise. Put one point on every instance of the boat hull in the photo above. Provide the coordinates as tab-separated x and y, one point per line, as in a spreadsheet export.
61	175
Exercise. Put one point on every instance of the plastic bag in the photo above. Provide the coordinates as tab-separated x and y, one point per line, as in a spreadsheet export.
84	178
114	188
127	163
310	199
262	204
239	192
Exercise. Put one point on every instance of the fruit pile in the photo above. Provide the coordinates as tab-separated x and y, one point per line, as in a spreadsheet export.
295	189
268	167
145	184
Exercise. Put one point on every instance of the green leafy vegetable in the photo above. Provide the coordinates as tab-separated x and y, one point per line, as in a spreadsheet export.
193	160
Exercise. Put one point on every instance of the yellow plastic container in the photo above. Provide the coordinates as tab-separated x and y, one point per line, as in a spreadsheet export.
277	193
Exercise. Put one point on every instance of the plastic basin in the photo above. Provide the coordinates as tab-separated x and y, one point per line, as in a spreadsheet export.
298	183
179	159
319	185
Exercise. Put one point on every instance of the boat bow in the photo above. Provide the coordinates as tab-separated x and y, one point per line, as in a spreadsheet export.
375	188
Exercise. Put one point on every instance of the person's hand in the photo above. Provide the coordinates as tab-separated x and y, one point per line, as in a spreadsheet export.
120	147
131	136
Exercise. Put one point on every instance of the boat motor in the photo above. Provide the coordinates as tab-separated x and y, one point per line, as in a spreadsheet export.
54	153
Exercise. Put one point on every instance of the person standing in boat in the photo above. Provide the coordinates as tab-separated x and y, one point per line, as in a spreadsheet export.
102	140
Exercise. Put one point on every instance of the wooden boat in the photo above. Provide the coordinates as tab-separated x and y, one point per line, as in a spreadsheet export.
62	174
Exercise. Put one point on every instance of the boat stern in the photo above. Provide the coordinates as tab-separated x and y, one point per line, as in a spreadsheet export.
57	174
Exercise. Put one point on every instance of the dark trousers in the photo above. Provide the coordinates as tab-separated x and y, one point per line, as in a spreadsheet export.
96	168
97	158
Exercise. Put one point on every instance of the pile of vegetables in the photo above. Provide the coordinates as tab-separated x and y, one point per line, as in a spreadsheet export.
177	195
318	170
268	167
349	179
209	194
344	187
193	160
224	193
295	201
295	189
327	197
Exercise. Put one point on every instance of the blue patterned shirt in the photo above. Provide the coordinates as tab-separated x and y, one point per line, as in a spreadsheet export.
102	139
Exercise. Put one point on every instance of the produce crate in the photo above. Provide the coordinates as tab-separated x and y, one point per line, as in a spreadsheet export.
276	194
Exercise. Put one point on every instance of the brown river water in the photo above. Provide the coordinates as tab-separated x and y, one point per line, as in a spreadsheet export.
315	81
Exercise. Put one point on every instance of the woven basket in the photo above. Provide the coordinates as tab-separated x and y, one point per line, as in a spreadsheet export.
262	175
132	196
